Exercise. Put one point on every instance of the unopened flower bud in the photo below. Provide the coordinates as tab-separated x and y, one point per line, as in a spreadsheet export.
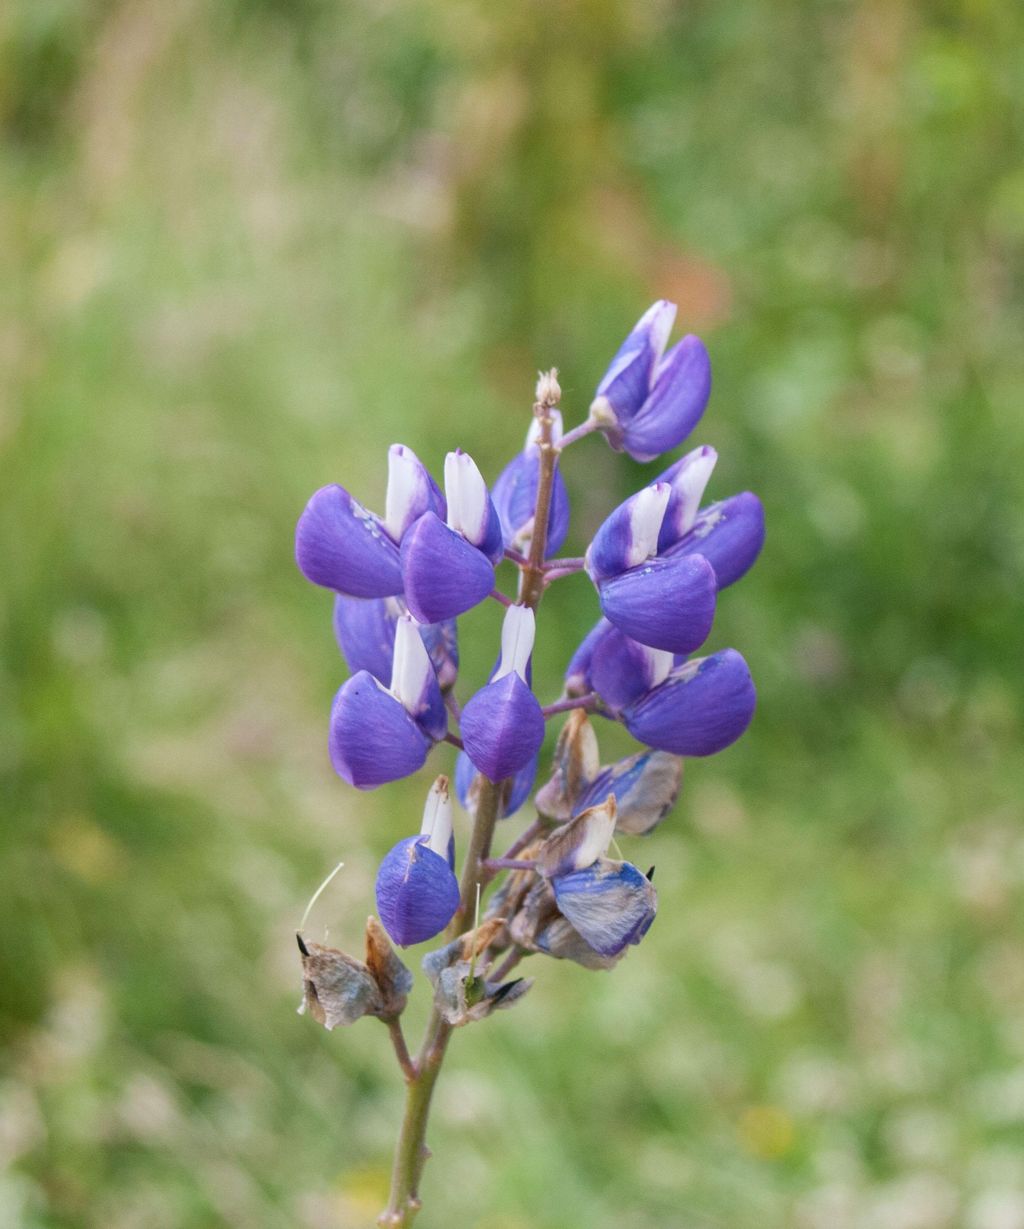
549	391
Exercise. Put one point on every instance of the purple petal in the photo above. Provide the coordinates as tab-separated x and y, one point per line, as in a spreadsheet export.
626	383
577	673
444	574
687	479
515	496
622	669
667	603
677	401
365	631
417	893
611	904
645	786
729	535
502	727
518	791
701	708
629	536
372	738
342	546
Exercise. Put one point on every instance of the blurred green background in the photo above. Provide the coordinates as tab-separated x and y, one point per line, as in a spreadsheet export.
243	247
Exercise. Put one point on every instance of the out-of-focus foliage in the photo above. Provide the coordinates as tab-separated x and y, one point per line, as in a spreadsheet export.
243	247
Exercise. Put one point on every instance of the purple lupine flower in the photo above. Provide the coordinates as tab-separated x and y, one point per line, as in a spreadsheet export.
664	601
417	892
649	401
341	545
699	708
379	734
502	725
512	799
515	494
365	630
448	567
611	904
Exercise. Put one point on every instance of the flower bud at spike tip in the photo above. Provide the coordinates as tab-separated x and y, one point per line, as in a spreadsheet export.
549	391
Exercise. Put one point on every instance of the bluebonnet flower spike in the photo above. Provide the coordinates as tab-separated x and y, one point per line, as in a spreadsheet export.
646	403
611	904
515	494
341	545
502	725
379	734
417	892
702	706
449	568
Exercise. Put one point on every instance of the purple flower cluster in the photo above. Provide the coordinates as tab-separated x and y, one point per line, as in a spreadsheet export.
658	563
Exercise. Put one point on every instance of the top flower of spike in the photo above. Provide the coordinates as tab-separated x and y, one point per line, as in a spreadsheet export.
650	401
